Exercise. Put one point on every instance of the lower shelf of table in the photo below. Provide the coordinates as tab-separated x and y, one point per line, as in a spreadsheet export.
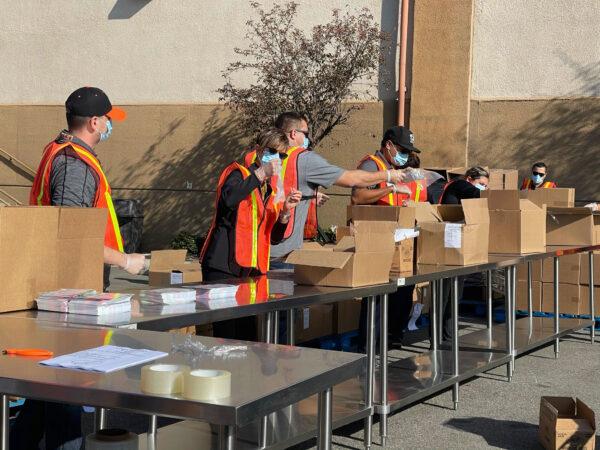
413	379
529	335
289	426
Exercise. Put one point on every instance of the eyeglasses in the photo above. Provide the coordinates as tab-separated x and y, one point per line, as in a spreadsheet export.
539	174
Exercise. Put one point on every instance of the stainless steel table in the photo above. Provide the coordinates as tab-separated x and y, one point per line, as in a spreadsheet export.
262	295
266	379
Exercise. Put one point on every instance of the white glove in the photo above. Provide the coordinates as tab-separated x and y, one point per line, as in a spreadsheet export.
400	189
593	206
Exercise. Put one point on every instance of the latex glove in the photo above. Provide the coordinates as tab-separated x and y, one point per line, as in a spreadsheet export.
400	189
134	263
292	200
321	198
396	176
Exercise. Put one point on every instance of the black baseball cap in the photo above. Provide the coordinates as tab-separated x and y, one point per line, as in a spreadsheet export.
402	137
93	102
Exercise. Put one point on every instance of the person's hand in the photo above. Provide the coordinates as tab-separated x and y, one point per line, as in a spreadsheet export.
400	189
267	170
292	200
396	176
593	206
134	263
321	198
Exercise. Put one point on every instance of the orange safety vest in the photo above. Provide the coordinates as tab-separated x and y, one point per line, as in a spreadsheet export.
254	223
252	291
40	194
418	187
528	185
289	171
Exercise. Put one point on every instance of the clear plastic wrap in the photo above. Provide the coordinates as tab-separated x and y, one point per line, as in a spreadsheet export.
196	349
430	177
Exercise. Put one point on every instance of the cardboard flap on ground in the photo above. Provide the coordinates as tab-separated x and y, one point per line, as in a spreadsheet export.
559	197
404	216
572	226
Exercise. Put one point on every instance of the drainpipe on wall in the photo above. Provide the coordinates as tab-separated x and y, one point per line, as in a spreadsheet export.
403	19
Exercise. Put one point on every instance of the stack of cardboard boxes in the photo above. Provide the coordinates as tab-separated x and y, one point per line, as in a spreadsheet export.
584	280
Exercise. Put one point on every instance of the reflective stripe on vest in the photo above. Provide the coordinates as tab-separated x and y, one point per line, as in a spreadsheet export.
254	223
41	196
390	199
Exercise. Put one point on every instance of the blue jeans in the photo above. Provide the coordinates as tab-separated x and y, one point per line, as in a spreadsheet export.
59	423
274	265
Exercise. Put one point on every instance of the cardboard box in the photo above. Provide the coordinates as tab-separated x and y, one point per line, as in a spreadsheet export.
569	299
45	248
521	301
168	267
536	271
584	300
422	294
503	179
569	268
566	423
584	274
359	260
405	217
346	316
516	225
313	322
454	235
562	197
572	226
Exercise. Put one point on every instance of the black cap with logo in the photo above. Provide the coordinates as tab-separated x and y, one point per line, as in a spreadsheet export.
93	102
402	137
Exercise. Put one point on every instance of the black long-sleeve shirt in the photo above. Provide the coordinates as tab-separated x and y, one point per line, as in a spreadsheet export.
458	190
220	254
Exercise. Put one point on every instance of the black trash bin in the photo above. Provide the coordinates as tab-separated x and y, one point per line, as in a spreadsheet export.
131	222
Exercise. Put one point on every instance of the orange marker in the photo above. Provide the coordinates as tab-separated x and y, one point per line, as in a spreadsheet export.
27	352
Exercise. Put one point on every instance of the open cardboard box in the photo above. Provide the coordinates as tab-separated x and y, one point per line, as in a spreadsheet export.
572	226
561	197
516	225
168	267
405	217
359	260
454	235
566	423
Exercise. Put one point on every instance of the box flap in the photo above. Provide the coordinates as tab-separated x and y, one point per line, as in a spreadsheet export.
476	210
312	245
580	211
81	222
451	213
585	412
166	259
564	197
319	258
528	205
403	215
502	199
560	406
426	212
374	236
345	244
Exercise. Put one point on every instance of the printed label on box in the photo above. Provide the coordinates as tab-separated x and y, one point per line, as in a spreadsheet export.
453	235
176	277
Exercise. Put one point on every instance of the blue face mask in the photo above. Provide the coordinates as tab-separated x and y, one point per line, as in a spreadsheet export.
268	157
400	159
104	136
481	187
537	179
306	143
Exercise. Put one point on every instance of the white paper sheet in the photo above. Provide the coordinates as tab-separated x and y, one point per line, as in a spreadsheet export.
107	358
453	235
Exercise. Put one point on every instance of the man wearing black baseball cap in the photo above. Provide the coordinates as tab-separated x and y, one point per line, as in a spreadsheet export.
397	151
70	174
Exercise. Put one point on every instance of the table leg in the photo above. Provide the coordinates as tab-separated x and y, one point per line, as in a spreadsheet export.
592	306
100	418
152	433
383	359
441	301
229	438
508	319
324	419
490	301
556	307
455	349
264	421
291	338
276	327
530	295
369	379
434	313
513	284
4	418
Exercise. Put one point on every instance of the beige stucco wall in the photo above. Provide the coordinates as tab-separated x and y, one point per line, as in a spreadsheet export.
527	49
140	51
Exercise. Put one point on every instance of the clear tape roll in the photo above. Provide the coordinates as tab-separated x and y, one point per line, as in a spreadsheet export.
163	378
203	384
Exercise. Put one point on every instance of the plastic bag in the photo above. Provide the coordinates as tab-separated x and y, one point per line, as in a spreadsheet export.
428	176
196	349
280	192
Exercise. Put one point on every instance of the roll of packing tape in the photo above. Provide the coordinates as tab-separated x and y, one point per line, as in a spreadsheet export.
111	439
206	384
163	378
